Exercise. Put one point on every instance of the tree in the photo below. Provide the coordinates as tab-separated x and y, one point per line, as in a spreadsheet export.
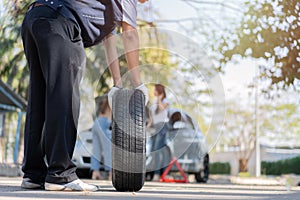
12	63
240	132
13	67
269	29
277	120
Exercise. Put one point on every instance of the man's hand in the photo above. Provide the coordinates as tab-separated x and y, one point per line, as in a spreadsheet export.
110	95
144	89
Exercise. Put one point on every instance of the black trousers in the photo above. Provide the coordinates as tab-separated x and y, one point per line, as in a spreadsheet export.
56	59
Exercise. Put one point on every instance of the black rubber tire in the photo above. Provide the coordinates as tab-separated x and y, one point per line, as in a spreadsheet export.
202	176
128	140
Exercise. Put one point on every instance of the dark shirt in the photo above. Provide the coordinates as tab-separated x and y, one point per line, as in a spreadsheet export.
96	18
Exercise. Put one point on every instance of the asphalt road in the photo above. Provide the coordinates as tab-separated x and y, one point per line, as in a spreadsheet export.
10	190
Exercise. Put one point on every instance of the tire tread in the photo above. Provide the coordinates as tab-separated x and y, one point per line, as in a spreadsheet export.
129	141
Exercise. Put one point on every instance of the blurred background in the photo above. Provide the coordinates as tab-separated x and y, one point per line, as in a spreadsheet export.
252	46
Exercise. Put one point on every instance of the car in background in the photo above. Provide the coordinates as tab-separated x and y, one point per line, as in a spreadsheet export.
84	146
187	144
83	153
185	141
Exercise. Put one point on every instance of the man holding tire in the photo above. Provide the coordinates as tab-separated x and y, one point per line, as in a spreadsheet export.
54	34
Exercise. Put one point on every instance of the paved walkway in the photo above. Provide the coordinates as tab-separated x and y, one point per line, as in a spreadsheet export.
10	190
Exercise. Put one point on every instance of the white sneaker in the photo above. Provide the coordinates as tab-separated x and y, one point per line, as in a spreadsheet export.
76	185
27	183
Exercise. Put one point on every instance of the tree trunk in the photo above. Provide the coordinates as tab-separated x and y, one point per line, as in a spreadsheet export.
243	164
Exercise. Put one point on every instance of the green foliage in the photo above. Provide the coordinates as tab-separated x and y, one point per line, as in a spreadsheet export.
14	71
280	121
12	63
151	62
288	166
268	30
219	168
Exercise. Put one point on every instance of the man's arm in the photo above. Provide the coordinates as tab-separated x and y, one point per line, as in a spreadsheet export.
131	45
112	59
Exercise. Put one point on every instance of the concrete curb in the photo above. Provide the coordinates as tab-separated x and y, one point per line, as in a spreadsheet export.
284	180
258	181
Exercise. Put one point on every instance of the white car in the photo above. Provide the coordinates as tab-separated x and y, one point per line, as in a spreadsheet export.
186	142
83	152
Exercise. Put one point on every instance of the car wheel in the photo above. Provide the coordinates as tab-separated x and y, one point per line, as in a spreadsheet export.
202	176
149	176
128	140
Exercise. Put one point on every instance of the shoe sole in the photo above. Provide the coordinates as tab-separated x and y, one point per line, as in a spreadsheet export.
57	187
29	185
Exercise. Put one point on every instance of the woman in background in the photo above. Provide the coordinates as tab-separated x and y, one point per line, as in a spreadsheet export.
102	142
159	120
